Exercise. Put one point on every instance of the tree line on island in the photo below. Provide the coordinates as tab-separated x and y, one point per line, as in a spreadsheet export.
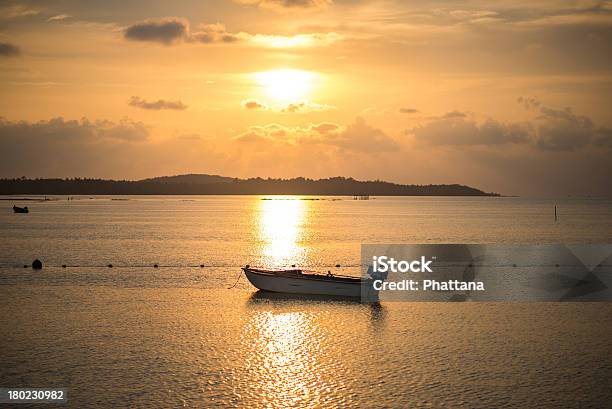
196	184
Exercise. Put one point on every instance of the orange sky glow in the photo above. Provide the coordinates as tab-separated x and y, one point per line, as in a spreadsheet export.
510	96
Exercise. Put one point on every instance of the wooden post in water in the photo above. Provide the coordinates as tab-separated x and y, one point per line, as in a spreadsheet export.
555	212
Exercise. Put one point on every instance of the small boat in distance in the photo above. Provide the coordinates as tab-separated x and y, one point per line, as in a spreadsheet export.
296	281
24	209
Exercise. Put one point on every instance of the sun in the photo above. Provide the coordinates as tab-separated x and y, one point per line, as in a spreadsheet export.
286	85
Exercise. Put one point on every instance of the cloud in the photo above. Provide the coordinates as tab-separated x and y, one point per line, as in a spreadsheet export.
325	127
562	130
99	148
270	133
17	11
125	129
306	107
408	111
59	17
9	50
174	30
436	39
129	149
216	33
302	107
529	103
308	134
165	31
60	131
156	105
454	128
253	104
288	5
358	137
603	137
454	114
297	40
556	130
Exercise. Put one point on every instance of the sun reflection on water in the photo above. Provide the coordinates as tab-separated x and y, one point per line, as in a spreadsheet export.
281	228
283	362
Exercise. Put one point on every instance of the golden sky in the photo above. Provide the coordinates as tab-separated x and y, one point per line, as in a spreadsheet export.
507	96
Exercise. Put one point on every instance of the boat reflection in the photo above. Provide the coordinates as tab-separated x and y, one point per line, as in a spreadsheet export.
260	297
281	229
297	302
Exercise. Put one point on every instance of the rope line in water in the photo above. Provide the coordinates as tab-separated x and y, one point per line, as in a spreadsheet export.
110	265
236	283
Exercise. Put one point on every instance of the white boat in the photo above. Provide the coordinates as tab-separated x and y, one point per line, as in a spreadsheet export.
297	281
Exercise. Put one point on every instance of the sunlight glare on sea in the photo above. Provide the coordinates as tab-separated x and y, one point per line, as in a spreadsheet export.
176	336
281	223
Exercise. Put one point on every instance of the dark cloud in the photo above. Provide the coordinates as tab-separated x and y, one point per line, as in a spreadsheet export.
60	131
156	105
562	130
253	104
229	38
8	50
59	147
454	128
173	30
603	137
165	31
551	130
454	114
87	148
408	111
529	103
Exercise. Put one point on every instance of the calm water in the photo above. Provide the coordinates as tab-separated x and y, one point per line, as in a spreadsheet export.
176	336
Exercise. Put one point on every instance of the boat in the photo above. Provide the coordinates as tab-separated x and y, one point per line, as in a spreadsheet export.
297	281
17	209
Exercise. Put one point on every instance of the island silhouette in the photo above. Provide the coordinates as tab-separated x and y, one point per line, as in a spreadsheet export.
202	184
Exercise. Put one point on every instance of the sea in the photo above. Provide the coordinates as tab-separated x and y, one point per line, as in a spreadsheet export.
140	303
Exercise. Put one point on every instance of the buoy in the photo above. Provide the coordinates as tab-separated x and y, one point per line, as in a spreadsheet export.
37	264
110	266
63	265
25	266
337	265
293	265
201	265
513	265
155	266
